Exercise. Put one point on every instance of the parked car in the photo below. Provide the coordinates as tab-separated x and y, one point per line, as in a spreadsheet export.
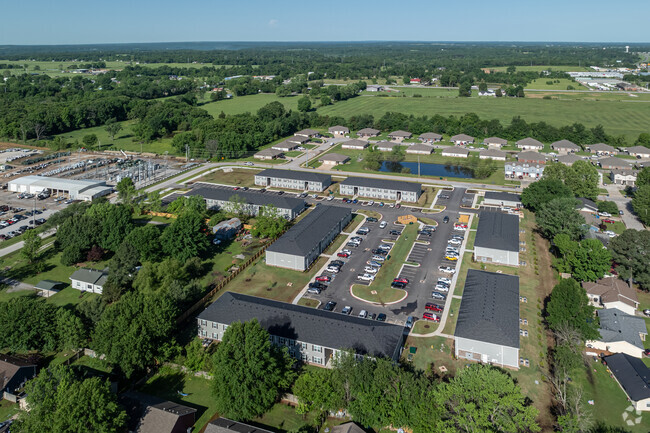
346	310
610	233
248	163
438	295
342	254
604	214
441	288
409	322
372	316
447	269
370	270
337	262
608	221
402	280
323	278
385	247
454	242
363	314
372	219
451	257
352	244
398	285
646	312
377	258
424	233
363	231
329	306
318	285
380	252
395	232
313	290
333	269
460	228
366	277
429	228
374	263
433	307
431	317
445	219
444	280
381	317
383	224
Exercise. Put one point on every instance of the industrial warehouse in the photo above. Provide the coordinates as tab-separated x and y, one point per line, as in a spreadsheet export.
75	189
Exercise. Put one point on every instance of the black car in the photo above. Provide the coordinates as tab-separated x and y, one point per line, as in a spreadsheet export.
424	233
445	219
280	192
381	317
337	263
380	252
372	220
395	232
317	285
329	306
263	190
398	285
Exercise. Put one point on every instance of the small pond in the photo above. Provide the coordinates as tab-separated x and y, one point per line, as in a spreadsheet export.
426	169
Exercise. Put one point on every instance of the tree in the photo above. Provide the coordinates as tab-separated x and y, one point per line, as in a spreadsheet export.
325	100
608	206
126	190
186	237
72	332
589	260
249	372
196	357
57	399
372	161
643	140
482	86
39	130
113	129
113	223
560	216
121	271
630	252
569	306
154	201
541	192
316	390
31	244
90	140
146	239
582	178
304	104
641	204
465	89
269	223
498	93
643	177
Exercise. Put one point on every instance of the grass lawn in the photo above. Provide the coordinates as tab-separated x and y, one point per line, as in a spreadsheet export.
224	257
7	409
381	285
284	418
432	350
94	363
307	302
352	225
70	296
427	197
541	84
450	325
235	177
424	327
618	227
335	245
249	103
470	240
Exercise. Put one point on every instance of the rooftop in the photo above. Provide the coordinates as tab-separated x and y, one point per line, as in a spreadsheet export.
565	144
613	161
615	325
430	136
370	131
489	310
495	140
462	137
638	149
503	196
420	147
150	414
395	185
568	159
632	374
251	197
269	152
225	425
355	143
338	128
455	150
400	133
336	157
528	141
307	132
90	276
612	289
493	152
307	176
497	230
531	156
601	147
75	185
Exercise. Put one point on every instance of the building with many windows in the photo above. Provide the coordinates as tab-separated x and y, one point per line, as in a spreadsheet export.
497	238
300	180
381	189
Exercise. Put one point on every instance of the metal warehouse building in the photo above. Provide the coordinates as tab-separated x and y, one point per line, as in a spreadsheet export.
381	189
300	180
74	188
305	241
497	238
487	329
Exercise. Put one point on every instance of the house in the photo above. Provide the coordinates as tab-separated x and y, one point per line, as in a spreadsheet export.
495	142
348	427
568	159
494	154
14	373
430	137
529	157
338	130
89	280
612	292
248	202
386	146
285	146
620	333
633	376
301	245
400	136
48	288
497	238
311	335
354	144
269	153
638	151
503	199
298	139
420	149
601	149
624	177
565	147
368	132
149	414
225	425
309	133
516	170
462	139
374	88
227	229
455	151
333	159
614	163
415	81
487	329
530	144
290	179
586	205
381	189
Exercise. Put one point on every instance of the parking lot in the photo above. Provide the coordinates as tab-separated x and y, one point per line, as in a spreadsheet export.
23	207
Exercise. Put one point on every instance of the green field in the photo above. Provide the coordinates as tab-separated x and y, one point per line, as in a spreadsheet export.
541	84
539	68
250	103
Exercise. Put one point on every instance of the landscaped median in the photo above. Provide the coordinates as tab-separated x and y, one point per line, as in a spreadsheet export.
380	291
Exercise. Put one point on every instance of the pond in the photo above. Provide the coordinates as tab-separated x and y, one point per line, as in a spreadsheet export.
426	169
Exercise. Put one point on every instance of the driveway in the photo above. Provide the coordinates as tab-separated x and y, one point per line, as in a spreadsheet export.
624	204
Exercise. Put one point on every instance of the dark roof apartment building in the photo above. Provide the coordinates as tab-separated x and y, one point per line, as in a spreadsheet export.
497	238
381	189
293	179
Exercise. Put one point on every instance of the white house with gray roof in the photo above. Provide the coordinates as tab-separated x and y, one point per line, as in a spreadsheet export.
430	137
493	154
338	130
462	139
382	189
497	142
354	144
638	151
400	136
503	199
420	149
601	149
620	333
497	238
455	152
290	179
530	144
565	147
88	280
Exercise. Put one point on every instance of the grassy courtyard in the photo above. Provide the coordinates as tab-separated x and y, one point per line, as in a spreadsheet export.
231	176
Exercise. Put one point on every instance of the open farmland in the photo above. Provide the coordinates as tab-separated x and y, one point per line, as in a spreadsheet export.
250	103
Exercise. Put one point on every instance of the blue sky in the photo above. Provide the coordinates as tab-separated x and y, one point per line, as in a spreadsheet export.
117	21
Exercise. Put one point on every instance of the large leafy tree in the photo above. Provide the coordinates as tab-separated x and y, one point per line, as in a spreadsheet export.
631	251
146	239
26	324
587	260
582	178
269	223
569	307
121	271
186	237
126	190
31	244
249	372
541	192
114	223
643	177
59	401
317	390
641	204
560	216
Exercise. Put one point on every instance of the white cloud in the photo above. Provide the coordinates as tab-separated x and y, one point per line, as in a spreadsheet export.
273	22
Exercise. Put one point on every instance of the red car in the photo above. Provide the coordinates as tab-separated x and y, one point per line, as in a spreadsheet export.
433	307
430	316
344	255
609	221
324	278
401	280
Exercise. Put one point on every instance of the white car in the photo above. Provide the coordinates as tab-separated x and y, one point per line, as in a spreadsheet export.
383	224
330	198
363	314
370	270
370	203
444	280
604	214
378	258
610	233
333	269
346	251
248	163
460	228
366	277
454	242
447	269
441	288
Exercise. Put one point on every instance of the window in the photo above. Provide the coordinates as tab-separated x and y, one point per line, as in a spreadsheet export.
317	360
215	325
89	286
282	340
303	357
204	333
215	335
317	349
204	322
303	346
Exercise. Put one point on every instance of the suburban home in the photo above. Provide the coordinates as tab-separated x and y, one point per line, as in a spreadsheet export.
614	163
624	177
14	373
495	142
249	202
601	149
348	427
301	245
386	146
298	139
374	88
269	153
462	139
455	151
309	133
568	159
487	329
415	81
620	333
638	151
420	149
225	425
586	205
286	146
502	199
430	137
497	238
149	414
227	229
633	376
289	179
400	136
381	189
516	170
354	144
565	147
530	144
612	292
338	130
529	157
494	154
311	335
368	132
89	280
333	159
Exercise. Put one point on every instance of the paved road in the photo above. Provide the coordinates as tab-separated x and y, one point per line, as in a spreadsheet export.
624	204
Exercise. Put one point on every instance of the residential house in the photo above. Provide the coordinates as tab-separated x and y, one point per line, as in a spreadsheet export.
638	151
529	157
290	179
14	373
503	199
298	139
420	149
516	170
269	153
150	414
625	177
374	88
487	328
455	151
633	376
314	336
430	137
568	159
354	144
382	189
601	149
89	280
309	133
614	163
386	146
400	136
495	142
497	238
348	427
494	154
285	146
529	143
462	139
612	292
333	159
620	333
565	147
586	205
225	425
338	130
415	81
368	132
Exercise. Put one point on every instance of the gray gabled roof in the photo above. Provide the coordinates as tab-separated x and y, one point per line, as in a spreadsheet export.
528	141
225	425
565	144
251	197
612	161
401	133
638	149
430	136
90	276
569	158
495	140
497	230
461	137
489	309
632	374
493	152
529	155
309	231
601	147
269	151
309	325
343	129
369	131
615	325
503	196
306	176
307	132
394	185
151	414
455	150
336	157
49	285
355	143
